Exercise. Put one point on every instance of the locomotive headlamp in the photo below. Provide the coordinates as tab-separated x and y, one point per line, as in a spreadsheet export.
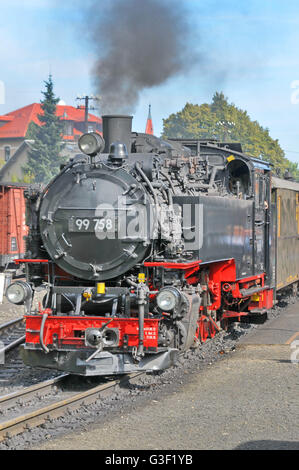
168	299
18	292
91	143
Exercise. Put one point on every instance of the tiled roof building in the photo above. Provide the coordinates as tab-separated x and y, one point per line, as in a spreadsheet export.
14	127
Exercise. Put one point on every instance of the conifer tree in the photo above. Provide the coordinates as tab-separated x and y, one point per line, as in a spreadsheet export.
44	156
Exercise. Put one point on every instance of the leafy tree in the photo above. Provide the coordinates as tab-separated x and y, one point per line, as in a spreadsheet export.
44	156
14	178
224	121
28	178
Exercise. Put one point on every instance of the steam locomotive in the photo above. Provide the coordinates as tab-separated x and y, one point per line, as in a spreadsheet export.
147	247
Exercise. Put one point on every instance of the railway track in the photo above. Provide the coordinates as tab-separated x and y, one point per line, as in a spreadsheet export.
37	415
51	399
12	334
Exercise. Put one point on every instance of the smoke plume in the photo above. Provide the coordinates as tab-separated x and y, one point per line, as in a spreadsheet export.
140	44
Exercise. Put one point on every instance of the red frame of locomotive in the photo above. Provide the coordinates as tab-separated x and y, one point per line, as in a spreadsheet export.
67	330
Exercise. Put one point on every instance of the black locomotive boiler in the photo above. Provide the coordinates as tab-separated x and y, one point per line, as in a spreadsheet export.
146	247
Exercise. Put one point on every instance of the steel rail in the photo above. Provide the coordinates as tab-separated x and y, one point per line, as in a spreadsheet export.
13	345
11	323
12	399
39	416
17	341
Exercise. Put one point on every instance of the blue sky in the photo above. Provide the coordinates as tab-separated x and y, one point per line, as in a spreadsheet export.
249	50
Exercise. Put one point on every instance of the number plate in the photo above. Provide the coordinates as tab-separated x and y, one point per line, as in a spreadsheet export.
96	224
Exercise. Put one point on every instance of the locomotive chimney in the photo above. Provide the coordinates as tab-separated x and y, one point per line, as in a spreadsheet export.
117	128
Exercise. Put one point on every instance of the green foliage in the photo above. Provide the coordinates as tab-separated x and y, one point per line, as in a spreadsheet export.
28	178
31	130
224	121
44	157
14	179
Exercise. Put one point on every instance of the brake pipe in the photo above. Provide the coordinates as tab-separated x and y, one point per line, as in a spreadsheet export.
41	333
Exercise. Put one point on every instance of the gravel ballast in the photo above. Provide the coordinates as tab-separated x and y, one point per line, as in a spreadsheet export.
149	389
